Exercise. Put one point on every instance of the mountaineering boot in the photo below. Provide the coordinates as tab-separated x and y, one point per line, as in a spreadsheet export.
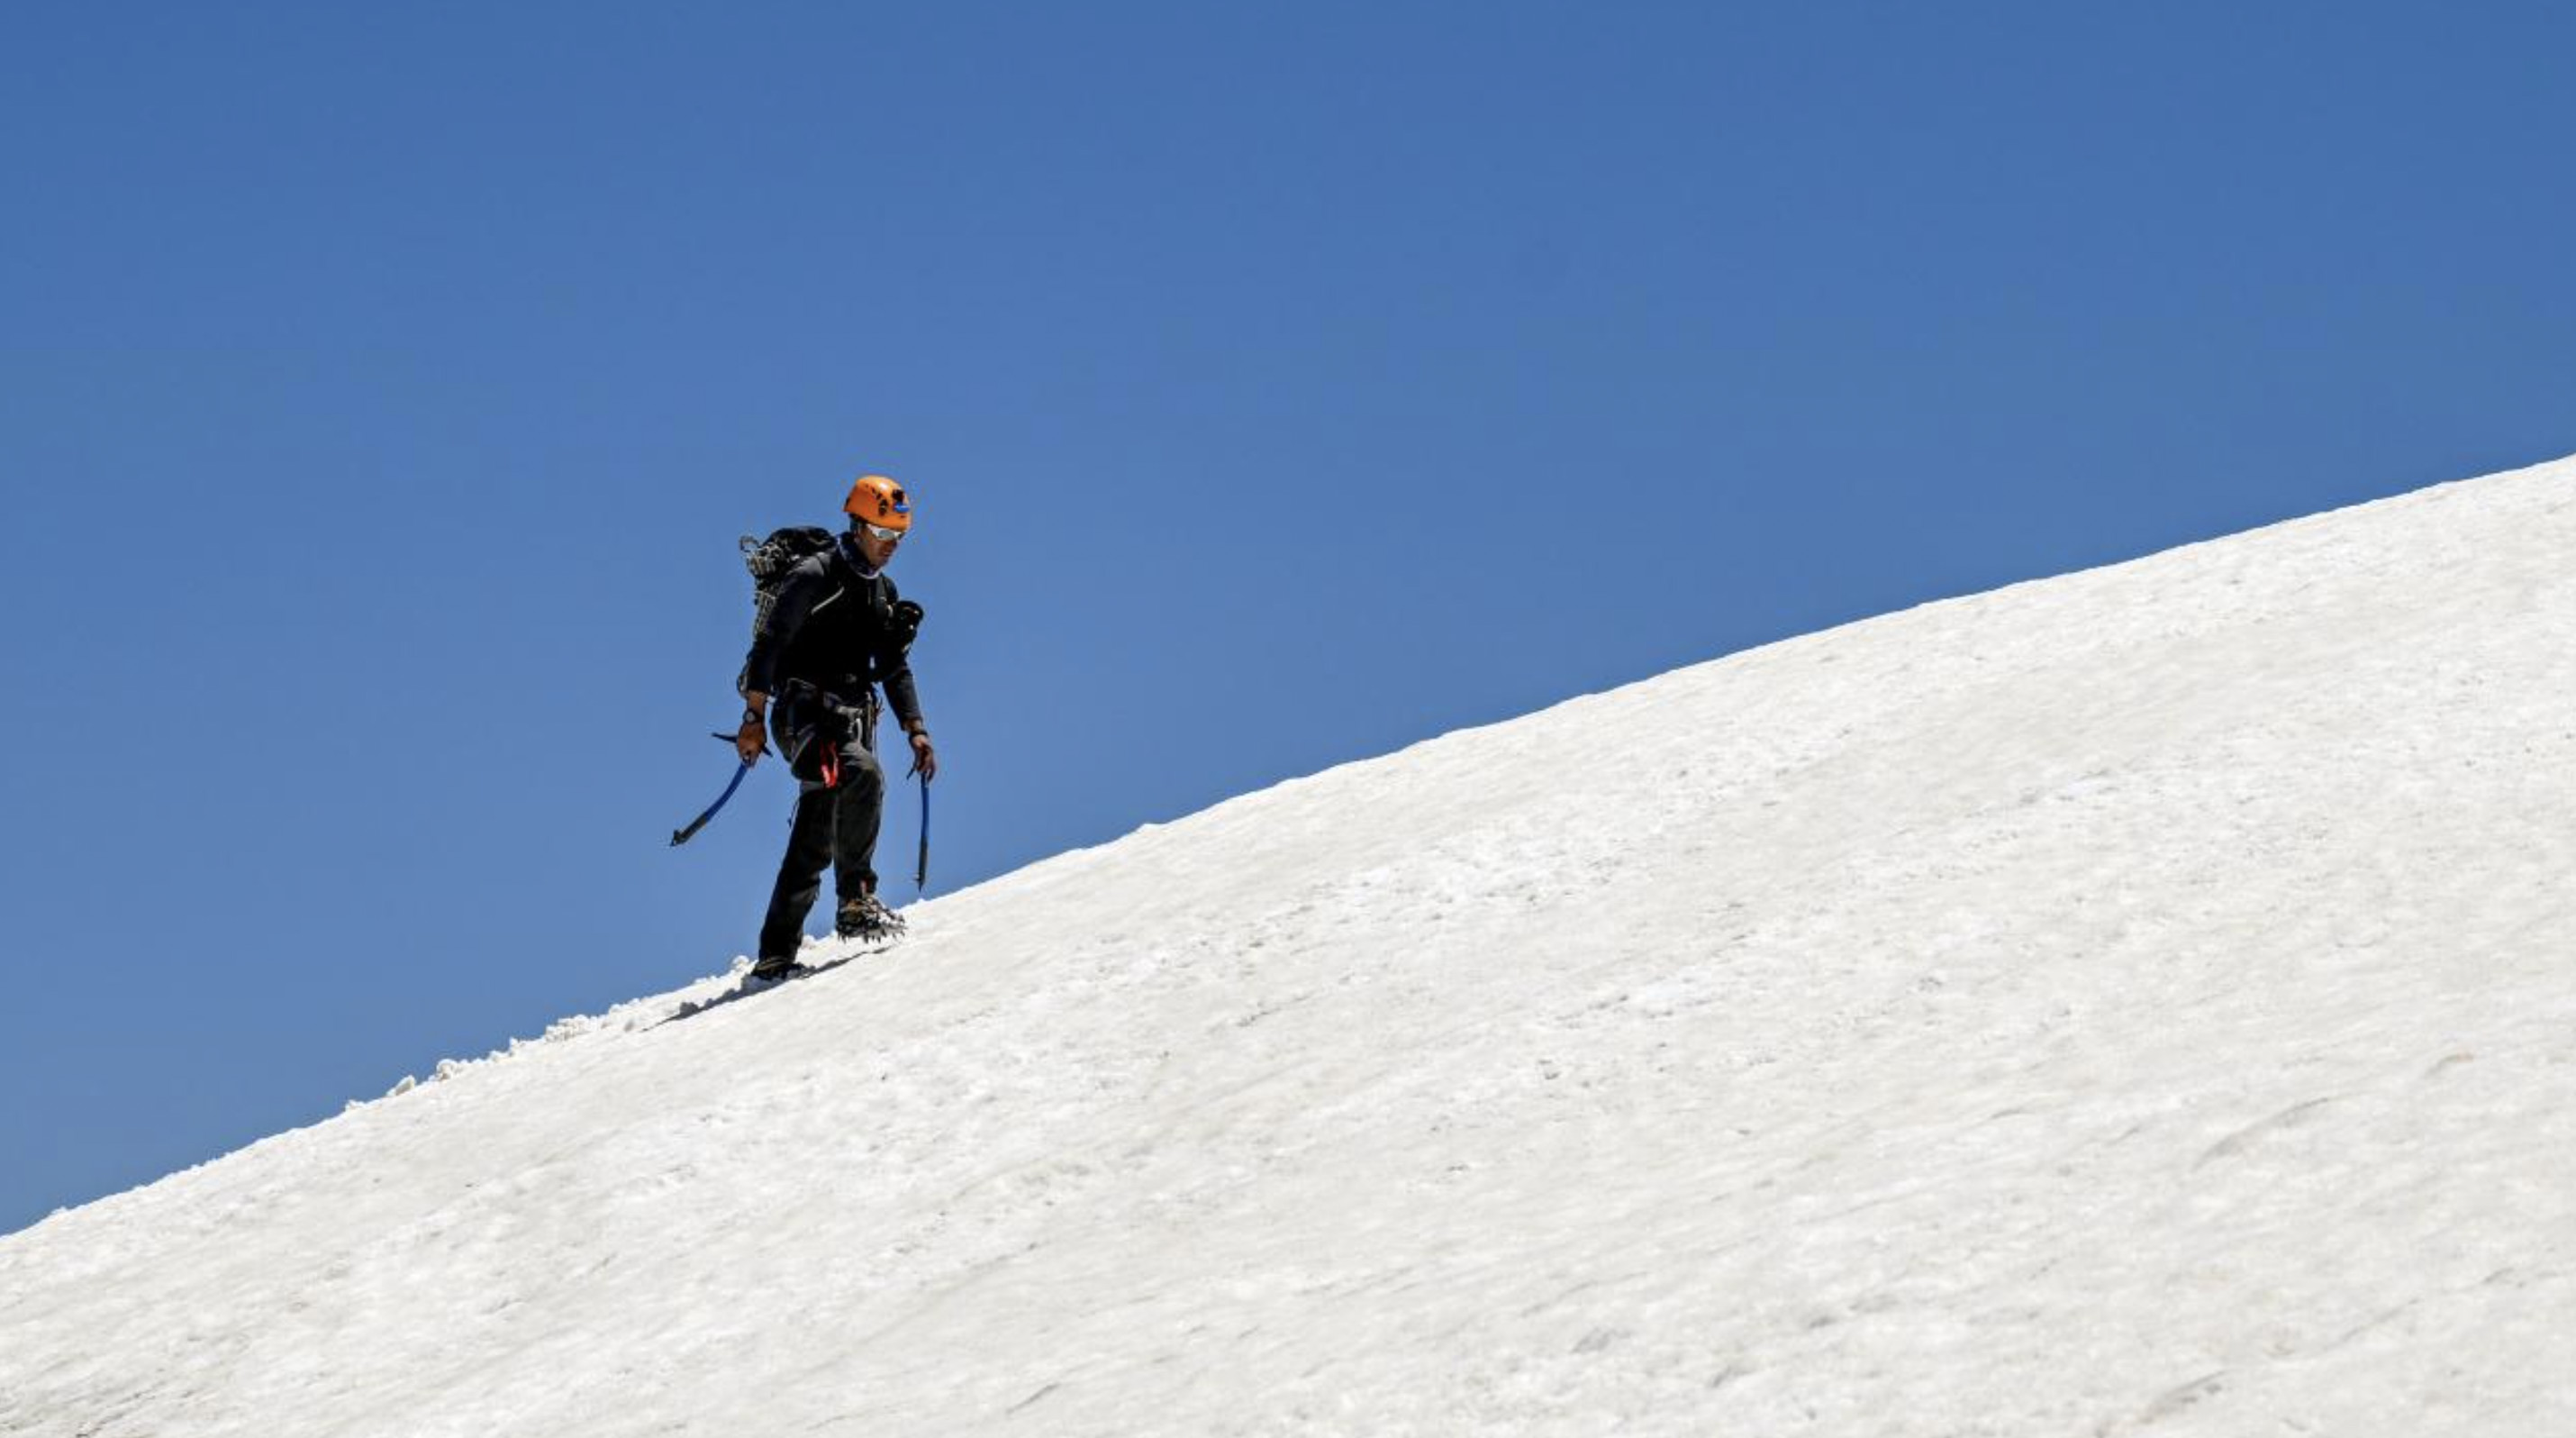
773	966
865	918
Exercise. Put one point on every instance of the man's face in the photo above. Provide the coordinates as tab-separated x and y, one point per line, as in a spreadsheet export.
878	544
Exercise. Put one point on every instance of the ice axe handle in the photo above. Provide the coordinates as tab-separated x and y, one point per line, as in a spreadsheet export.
921	864
682	836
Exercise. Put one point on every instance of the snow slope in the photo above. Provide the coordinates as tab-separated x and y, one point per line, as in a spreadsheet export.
2135	1002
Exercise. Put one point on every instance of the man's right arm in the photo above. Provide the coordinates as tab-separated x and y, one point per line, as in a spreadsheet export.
786	611
777	624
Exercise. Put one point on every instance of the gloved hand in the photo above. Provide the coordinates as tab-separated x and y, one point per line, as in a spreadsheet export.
751	738
925	760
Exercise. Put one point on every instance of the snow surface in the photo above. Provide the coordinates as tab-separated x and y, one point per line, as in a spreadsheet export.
2134	1002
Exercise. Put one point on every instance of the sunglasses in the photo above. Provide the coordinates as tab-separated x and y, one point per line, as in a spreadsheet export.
878	531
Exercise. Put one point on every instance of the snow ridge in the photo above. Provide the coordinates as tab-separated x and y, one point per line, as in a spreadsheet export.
2131	1002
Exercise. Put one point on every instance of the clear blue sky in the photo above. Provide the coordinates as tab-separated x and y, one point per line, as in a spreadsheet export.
382	389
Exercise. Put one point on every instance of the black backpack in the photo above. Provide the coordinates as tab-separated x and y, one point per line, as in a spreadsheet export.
768	559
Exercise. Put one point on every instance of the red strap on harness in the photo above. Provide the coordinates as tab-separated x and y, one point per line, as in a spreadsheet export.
831	766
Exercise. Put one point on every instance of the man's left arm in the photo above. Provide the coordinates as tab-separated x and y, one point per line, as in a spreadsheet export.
906	704
907	712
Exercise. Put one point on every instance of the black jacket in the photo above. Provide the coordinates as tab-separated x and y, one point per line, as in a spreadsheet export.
830	624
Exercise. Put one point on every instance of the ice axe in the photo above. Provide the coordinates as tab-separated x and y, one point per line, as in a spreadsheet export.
682	836
921	863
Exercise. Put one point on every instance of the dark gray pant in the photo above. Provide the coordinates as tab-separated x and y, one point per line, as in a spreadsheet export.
835	826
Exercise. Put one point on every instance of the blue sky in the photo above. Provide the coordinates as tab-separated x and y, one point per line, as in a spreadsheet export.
381	392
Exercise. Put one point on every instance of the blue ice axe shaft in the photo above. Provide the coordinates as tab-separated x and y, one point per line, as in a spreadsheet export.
921	865
682	836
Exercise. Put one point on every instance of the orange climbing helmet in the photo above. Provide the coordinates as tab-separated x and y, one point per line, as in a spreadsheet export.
878	500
